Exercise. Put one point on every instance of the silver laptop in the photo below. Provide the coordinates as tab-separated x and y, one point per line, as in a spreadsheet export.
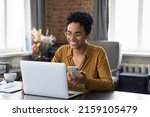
45	79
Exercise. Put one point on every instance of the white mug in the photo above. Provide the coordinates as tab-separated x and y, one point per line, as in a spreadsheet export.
10	77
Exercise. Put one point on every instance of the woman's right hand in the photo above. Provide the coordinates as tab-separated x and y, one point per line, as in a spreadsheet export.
79	78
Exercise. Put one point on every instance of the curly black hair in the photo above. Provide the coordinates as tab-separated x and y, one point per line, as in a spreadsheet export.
84	18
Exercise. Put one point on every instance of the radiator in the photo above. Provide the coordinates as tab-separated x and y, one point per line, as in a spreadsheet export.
136	68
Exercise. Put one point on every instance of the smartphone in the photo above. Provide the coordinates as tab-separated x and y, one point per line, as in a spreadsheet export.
74	70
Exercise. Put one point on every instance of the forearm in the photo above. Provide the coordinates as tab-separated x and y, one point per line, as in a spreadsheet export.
93	85
100	85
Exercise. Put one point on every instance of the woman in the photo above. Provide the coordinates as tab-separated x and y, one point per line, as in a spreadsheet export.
91	60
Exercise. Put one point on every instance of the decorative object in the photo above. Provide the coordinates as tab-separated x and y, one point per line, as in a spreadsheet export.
40	44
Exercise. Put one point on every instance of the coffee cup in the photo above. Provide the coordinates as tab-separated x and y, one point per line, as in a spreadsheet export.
10	77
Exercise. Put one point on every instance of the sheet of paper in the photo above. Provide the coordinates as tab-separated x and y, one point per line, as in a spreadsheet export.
10	87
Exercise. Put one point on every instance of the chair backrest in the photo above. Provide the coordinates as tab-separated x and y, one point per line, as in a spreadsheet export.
113	52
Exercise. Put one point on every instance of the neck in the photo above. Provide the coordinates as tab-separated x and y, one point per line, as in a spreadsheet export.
80	51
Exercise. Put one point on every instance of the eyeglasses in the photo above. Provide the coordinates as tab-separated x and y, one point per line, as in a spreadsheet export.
77	34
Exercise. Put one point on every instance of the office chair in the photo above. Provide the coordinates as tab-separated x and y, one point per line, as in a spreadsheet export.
113	52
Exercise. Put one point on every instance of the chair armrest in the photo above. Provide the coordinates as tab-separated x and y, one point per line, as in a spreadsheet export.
116	70
120	69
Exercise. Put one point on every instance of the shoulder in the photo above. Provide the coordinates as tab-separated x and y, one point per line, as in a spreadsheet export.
96	48
63	48
60	53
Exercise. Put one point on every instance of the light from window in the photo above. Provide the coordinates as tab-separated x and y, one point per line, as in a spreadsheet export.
12	29
129	24
145	45
1	24
15	23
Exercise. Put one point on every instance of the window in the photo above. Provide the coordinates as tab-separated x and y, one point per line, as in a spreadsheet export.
12	25
129	24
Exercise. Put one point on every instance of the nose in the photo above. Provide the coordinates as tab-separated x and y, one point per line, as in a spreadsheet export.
72	37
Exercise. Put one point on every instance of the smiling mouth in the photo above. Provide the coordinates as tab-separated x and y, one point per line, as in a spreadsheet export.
73	43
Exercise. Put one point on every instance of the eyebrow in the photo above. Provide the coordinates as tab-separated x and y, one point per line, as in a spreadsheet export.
75	32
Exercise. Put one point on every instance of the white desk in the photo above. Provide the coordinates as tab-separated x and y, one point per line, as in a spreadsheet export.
113	95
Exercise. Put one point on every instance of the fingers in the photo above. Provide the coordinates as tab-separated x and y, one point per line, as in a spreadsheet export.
77	79
82	75
71	77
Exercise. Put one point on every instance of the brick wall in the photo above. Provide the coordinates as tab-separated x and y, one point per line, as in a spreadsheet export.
58	10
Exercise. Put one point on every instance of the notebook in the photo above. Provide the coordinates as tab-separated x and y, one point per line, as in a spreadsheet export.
45	79
10	87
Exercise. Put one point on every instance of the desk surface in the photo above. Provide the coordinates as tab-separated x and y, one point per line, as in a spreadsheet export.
114	95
